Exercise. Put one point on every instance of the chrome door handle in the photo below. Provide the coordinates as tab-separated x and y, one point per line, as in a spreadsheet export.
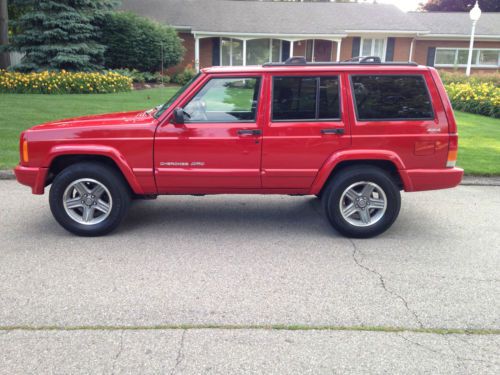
332	131
249	132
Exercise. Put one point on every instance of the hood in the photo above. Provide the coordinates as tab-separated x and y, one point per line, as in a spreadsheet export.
104	120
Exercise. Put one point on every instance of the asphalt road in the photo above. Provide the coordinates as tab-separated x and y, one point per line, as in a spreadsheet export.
140	300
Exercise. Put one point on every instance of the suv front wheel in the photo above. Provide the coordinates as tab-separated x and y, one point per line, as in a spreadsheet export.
89	199
362	201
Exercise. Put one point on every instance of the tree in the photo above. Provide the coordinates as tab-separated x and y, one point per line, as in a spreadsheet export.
60	34
135	42
461	5
4	35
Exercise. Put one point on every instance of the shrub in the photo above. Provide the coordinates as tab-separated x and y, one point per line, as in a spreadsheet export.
457	77
479	98
63	82
185	76
143	77
134	42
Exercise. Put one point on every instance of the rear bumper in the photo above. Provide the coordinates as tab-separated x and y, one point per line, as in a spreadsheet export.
32	177
431	179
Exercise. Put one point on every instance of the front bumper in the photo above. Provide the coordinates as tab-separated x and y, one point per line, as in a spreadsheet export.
32	177
431	179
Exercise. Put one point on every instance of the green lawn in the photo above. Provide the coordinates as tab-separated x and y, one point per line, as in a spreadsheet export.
479	150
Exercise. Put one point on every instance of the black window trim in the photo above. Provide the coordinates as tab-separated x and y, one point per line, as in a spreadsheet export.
433	118
258	77
318	77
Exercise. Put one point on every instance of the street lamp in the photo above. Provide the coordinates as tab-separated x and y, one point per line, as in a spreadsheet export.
474	15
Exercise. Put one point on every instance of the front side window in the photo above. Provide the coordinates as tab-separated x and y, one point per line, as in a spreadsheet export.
391	97
306	98
225	100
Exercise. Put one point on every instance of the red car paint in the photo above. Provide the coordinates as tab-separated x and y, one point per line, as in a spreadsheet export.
286	158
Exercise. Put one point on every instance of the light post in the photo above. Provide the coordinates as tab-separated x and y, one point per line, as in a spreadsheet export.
474	15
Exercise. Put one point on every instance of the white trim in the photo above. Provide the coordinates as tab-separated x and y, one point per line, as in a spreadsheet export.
197	54
289	37
458	37
412	47
291	48
391	32
339	45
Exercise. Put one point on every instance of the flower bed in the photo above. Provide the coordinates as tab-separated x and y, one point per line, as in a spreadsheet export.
475	97
63	82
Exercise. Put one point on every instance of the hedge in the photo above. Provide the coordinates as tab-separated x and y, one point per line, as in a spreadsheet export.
63	82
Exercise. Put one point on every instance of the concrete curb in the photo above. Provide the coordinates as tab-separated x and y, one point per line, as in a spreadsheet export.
8	174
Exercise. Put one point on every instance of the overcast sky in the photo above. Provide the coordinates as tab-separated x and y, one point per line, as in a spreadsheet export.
405	5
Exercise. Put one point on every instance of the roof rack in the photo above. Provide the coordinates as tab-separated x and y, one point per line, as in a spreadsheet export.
367	60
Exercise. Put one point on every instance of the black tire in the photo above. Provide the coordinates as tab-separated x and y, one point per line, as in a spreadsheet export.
346	178
112	180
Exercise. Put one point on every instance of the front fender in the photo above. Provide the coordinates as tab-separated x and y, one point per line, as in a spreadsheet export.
350	155
107	151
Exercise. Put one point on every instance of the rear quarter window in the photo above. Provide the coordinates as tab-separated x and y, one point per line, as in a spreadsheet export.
391	97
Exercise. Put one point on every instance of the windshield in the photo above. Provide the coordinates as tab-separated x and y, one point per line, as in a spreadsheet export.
165	106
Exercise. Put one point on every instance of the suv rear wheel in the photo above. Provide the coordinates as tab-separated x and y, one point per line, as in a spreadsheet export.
362	201
89	199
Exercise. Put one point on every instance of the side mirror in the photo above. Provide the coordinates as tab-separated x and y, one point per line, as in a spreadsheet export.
178	116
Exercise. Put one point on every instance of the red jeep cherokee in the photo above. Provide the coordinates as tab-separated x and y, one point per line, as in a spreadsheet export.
354	134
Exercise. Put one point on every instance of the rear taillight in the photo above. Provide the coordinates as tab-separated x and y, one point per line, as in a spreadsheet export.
452	151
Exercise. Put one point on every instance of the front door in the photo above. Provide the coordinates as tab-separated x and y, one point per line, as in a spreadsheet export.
218	148
306	126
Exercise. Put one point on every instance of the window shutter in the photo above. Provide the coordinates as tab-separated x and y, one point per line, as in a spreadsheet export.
356	44
389	54
216	51
285	50
431	54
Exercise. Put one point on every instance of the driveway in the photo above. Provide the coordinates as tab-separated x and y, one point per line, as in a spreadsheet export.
255	284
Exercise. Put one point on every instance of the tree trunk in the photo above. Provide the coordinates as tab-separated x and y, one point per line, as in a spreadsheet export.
4	34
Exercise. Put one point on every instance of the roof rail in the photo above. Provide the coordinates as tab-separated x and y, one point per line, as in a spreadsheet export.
368	60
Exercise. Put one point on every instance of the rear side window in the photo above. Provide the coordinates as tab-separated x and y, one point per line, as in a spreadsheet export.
306	98
391	97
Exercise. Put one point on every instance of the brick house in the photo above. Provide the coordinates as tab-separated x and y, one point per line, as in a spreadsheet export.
225	32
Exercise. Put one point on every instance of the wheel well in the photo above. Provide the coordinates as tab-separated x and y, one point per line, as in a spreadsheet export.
62	162
386	165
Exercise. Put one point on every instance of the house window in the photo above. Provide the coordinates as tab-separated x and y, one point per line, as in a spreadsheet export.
457	57
231	52
373	47
258	51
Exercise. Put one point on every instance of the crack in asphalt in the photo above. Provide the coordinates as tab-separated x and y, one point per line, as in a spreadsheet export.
180	356
118	354
460	360
383	283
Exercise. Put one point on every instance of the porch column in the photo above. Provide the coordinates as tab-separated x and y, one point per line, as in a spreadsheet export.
339	44
291	48
197	53
244	52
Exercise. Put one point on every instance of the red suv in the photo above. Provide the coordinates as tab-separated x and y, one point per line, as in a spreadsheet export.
354	134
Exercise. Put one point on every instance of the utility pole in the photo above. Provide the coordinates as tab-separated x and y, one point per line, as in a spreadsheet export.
4	34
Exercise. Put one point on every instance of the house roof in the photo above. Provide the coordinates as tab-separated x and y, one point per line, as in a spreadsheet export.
291	18
308	18
457	23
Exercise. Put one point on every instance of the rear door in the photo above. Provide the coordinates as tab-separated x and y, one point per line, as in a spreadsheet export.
306	124
218	148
